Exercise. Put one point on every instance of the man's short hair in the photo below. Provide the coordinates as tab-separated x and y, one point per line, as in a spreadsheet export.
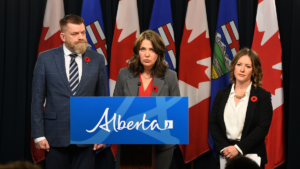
74	19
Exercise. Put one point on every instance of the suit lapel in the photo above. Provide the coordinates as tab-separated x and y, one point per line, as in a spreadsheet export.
85	72
159	83
250	110
132	84
60	62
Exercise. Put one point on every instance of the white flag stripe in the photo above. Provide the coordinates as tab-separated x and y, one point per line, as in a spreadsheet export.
91	33
278	66
53	13
99	29
127	19
234	30
266	19
163	36
233	51
277	99
196	19
105	46
226	34
105	60
169	26
112	85
196	95
99	50
173	58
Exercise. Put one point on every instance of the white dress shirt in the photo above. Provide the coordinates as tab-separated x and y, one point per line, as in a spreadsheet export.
67	56
234	116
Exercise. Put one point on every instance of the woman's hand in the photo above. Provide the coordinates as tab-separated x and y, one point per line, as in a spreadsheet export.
230	152
99	146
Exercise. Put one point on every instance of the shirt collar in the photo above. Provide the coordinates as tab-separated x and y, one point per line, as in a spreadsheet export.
247	92
67	52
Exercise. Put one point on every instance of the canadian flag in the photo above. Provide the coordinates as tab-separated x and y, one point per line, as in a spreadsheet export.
195	78
49	39
50	32
266	43
126	31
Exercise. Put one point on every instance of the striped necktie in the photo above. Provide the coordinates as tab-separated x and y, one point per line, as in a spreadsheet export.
73	74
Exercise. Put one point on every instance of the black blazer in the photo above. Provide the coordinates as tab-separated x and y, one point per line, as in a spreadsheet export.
257	123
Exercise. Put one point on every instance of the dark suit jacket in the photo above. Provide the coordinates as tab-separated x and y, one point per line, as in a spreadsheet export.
127	85
50	82
257	123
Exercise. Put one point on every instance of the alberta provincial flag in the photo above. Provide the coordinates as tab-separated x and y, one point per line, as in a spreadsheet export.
225	47
161	22
92	14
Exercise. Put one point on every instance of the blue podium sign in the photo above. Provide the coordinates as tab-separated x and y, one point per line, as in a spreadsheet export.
129	120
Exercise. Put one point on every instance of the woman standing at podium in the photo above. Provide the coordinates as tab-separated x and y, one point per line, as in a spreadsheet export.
148	74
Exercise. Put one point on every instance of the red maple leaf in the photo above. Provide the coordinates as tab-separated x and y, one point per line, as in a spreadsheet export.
270	55
120	52
53	41
198	131
191	72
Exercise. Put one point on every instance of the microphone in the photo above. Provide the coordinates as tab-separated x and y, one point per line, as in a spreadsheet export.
139	84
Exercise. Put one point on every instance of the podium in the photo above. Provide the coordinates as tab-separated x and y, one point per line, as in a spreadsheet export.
129	122
137	156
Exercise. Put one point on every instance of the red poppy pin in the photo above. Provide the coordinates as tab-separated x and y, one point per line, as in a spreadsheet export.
87	59
253	98
155	88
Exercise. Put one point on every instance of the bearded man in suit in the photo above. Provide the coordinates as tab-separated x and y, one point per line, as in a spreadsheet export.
60	73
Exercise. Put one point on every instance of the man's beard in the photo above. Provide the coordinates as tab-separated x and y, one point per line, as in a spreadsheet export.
78	47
